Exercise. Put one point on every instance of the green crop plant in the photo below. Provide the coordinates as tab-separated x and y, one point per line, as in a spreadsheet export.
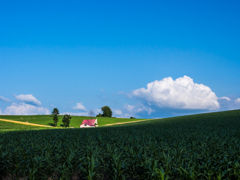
118	165
202	146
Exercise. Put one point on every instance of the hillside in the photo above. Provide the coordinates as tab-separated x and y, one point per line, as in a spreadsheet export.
203	146
222	117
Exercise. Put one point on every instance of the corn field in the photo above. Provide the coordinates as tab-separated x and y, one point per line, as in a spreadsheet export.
203	146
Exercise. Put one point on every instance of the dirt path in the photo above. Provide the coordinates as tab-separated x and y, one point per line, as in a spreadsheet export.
130	122
25	123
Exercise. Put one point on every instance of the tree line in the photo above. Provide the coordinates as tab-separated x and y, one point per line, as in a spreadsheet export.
65	120
107	112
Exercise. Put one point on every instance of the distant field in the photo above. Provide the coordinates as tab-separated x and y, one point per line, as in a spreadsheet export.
75	121
7	126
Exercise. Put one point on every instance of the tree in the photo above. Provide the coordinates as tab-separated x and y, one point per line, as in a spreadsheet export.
107	112
55	113
66	120
91	113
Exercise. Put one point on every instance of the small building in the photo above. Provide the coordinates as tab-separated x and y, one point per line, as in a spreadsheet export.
89	123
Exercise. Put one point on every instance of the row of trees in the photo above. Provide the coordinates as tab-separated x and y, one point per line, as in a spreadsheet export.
65	120
107	112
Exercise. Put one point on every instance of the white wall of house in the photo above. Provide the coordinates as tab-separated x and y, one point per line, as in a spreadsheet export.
87	126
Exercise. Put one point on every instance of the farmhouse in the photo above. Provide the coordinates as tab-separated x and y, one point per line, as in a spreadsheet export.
89	123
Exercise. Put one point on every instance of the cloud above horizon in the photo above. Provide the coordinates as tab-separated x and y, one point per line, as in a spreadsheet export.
226	98
4	99
237	100
117	111
76	114
229	104
25	109
28	98
79	106
95	111
182	93
128	110
1	112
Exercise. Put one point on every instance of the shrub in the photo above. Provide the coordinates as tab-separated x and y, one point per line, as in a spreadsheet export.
99	115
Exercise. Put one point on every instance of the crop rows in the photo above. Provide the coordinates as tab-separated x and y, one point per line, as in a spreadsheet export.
197	147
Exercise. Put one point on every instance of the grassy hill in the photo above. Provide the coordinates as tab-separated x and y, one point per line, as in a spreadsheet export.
75	121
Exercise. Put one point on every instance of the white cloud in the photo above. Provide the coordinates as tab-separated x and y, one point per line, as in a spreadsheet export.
25	109
134	110
102	89
80	106
182	93
117	111
28	98
229	104
227	98
95	111
128	107
1	112
144	108
4	99
237	100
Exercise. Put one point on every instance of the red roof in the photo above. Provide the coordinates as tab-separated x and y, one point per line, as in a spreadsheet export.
89	122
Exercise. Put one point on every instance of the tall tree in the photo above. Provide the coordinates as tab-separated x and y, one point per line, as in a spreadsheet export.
55	113
107	112
66	120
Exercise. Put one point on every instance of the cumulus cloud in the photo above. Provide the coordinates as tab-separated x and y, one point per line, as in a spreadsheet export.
79	106
25	109
4	99
182	93
28	98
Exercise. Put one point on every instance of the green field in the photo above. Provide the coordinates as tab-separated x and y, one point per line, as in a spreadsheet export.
8	126
74	122
204	146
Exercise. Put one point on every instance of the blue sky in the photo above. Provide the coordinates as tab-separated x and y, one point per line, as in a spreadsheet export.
146	59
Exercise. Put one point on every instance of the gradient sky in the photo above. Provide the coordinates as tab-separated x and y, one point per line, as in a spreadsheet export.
79	56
